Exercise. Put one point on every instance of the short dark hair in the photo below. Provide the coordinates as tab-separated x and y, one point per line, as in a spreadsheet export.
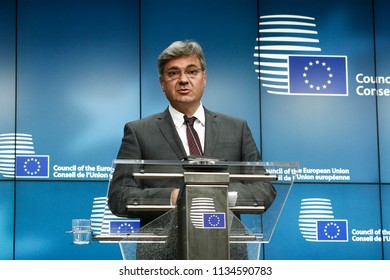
180	48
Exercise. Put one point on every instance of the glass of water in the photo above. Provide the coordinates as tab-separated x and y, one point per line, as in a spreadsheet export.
81	229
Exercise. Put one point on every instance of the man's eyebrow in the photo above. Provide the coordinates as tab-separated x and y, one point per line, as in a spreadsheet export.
173	68
177	68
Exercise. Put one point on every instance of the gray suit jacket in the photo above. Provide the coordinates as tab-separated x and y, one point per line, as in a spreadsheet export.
156	138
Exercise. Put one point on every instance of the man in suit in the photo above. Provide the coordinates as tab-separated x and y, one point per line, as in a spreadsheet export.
182	75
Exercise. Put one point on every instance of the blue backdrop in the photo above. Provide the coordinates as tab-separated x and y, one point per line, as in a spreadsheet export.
73	72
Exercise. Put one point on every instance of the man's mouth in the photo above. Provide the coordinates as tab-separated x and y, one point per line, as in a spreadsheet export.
183	91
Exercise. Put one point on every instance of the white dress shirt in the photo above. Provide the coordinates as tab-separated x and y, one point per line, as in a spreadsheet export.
199	125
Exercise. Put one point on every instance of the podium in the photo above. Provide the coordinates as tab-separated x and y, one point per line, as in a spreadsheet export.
209	220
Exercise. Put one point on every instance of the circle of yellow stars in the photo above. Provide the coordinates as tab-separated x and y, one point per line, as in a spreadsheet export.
333	226
32	162
214	220
309	67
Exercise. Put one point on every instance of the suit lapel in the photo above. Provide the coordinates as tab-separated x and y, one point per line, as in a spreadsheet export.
165	123
212	132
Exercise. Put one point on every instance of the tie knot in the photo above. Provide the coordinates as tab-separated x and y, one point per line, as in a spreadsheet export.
190	121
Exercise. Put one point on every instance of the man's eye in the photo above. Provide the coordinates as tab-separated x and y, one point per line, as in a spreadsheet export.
193	72
172	74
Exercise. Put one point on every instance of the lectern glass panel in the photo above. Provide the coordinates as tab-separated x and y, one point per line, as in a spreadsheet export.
222	212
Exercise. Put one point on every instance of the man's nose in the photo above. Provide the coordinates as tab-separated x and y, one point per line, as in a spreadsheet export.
183	78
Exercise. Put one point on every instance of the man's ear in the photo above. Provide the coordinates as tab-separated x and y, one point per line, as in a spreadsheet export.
162	84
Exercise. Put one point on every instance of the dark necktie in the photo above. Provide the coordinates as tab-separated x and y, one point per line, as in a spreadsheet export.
192	137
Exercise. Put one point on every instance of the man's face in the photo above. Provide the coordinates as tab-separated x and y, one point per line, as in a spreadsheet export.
183	82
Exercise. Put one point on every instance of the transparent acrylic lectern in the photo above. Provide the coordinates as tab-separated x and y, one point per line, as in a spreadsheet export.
219	214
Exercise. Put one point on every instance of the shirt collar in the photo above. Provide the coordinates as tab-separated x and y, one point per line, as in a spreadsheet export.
178	119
